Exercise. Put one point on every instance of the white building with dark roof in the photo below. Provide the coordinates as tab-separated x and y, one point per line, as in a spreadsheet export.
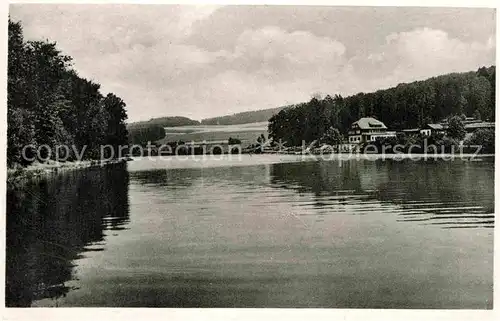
368	129
430	129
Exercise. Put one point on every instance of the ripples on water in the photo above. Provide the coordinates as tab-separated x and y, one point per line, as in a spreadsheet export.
456	195
311	234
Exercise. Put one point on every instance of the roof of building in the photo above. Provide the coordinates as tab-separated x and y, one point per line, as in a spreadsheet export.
480	125
465	120
471	125
472	121
435	126
369	122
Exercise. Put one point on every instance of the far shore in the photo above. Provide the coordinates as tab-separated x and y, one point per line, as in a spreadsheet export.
381	155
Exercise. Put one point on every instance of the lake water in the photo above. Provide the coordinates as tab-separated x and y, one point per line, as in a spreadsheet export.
266	231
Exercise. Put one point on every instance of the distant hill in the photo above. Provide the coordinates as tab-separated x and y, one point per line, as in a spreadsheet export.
244	117
172	121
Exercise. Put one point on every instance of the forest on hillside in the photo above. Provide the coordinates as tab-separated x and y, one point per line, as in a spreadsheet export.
246	117
49	104
170	121
408	105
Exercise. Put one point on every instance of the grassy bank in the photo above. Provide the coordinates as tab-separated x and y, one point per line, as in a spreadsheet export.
19	175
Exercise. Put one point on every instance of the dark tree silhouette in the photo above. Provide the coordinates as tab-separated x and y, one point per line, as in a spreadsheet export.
49	104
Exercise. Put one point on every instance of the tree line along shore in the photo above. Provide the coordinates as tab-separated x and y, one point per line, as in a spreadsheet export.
49	104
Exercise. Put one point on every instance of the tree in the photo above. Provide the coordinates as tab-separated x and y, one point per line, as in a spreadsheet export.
456	128
477	114
484	138
234	141
116	131
332	137
317	120
20	133
20	129
261	139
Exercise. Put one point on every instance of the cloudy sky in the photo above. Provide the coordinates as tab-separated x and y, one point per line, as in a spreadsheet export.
208	61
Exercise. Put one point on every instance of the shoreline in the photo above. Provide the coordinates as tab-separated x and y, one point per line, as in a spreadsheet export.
306	156
22	174
389	155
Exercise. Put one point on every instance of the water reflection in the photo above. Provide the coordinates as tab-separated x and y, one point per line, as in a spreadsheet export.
456	194
55	221
314	234
310	234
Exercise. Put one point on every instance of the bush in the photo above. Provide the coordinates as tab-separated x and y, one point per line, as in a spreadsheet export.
484	138
234	141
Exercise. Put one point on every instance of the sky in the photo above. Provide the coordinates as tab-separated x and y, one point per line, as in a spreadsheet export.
206	61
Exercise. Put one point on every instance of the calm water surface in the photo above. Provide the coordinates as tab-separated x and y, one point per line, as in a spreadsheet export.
265	231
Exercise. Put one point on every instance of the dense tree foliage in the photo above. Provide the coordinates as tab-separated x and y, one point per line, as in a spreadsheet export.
173	121
414	144
332	137
144	134
438	143
484	138
49	104
246	117
456	128
404	106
